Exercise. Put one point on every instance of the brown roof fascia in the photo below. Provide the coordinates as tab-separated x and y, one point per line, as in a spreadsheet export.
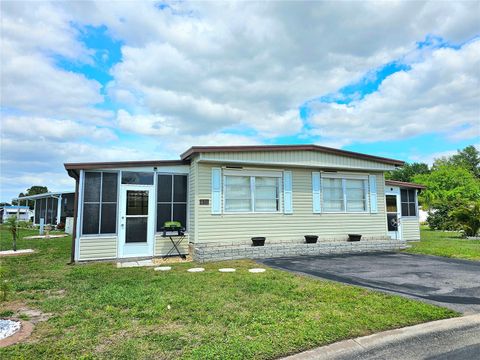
404	184
206	149
117	164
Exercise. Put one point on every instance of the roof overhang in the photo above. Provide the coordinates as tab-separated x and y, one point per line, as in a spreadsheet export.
233	149
405	184
48	194
123	164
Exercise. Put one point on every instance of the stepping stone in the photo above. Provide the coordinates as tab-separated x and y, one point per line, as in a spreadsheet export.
196	270
256	270
163	268
226	270
18	252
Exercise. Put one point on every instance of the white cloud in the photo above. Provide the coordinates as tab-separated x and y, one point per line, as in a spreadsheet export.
26	127
203	73
440	94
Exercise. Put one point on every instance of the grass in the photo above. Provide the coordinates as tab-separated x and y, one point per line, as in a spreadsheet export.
99	311
448	244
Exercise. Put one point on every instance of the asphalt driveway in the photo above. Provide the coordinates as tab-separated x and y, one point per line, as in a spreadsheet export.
442	281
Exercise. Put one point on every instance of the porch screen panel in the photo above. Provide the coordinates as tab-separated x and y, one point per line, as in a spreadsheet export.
54	208
100	203
408	199
171	199
37	211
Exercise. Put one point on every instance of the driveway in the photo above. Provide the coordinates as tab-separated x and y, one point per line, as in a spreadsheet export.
442	281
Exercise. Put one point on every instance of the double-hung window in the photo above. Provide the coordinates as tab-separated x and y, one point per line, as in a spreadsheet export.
409	203
100	203
344	194
251	193
356	195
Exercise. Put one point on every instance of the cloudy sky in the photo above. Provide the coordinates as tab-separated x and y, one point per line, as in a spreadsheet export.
119	80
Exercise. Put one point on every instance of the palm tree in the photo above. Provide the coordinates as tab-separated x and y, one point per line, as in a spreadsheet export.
468	217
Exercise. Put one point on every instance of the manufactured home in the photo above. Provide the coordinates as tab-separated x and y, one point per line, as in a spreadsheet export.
224	196
22	213
52	207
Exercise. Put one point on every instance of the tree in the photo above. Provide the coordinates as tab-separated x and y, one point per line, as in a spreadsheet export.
12	224
449	188
407	172
468	158
34	190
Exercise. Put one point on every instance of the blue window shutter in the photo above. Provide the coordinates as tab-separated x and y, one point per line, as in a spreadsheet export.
316	186
287	192
372	182
216	191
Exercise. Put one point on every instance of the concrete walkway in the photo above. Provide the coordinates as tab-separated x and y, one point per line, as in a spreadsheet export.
452	339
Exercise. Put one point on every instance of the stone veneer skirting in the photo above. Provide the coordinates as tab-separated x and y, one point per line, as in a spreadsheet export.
230	251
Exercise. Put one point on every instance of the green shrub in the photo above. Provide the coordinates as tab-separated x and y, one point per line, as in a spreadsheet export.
467	218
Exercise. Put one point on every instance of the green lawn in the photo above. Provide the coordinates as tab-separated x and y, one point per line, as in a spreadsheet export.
448	244
99	311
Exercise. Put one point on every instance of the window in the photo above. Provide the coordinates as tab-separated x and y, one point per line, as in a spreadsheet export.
251	194
100	203
356	195
408	199
344	194
137	178
333	195
171	199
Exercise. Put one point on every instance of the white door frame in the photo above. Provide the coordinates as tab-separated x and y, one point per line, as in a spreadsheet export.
136	249
395	235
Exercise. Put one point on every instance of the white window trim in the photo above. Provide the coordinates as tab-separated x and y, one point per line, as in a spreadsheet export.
252	174
82	203
344	178
155	183
416	204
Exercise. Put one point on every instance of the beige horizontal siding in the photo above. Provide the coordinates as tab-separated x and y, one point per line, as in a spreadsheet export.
281	227
164	245
410	228
98	248
295	158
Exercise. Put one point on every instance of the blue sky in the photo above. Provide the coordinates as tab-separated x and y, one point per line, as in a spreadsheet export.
125	81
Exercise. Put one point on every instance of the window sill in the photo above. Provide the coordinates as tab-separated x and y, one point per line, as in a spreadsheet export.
250	212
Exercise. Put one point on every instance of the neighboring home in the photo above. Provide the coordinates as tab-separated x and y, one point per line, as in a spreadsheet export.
226	195
52	207
23	213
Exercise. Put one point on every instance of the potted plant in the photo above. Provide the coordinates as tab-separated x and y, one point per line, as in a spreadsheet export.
311	239
258	241
354	237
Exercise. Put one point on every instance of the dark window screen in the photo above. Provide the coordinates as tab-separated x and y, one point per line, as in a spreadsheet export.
136	231
109	187
171	199
92	187
109	219
164	188
90	218
37	211
408	199
180	188
99	203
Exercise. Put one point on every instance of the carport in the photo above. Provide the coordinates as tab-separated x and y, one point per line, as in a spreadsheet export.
52	207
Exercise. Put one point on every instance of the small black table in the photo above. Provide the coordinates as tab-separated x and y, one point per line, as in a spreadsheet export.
176	236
